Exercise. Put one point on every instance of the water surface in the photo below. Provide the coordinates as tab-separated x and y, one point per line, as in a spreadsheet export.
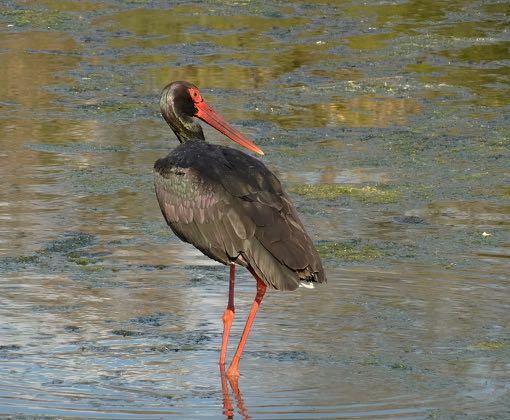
387	121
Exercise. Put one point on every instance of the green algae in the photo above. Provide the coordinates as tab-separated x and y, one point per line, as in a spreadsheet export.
36	18
350	309
490	345
71	240
351	251
80	173
126	333
118	106
19	262
86	261
26	259
422	68
367	193
480	53
370	41
93	268
400	365
370	360
82	261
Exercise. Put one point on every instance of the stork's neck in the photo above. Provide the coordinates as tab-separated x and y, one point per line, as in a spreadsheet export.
188	132
186	128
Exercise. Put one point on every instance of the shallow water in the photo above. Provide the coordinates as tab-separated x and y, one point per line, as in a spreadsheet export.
389	122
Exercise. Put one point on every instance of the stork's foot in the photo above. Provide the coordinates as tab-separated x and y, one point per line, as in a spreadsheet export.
228	409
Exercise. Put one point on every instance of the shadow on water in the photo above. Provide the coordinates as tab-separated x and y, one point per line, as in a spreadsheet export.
387	123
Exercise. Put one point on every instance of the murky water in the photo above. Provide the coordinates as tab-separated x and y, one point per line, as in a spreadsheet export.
389	122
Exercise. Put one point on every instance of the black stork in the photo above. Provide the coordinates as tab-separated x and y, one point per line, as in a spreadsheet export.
231	207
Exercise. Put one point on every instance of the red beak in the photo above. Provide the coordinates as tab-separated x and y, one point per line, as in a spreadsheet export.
208	115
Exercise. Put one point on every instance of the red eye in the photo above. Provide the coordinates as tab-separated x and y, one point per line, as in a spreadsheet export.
195	94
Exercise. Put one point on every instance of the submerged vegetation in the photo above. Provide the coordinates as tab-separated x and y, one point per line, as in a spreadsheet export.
367	194
36	18
351	251
385	118
490	345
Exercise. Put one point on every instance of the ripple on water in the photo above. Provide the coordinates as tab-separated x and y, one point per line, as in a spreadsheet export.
105	313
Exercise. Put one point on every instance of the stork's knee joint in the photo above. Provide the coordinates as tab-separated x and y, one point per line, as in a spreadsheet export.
228	315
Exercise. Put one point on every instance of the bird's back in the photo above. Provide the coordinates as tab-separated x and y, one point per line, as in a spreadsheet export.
232	208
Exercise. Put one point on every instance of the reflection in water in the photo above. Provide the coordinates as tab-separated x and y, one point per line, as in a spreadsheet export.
228	406
370	42
36	59
362	111
232	76
471	213
104	313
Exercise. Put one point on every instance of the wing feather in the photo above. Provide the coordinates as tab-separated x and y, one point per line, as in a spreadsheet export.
232	208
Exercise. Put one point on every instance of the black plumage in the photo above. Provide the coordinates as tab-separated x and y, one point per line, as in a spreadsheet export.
226	202
233	209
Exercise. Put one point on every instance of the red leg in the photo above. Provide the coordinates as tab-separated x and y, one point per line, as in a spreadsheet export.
233	370
228	315
239	398
228	408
